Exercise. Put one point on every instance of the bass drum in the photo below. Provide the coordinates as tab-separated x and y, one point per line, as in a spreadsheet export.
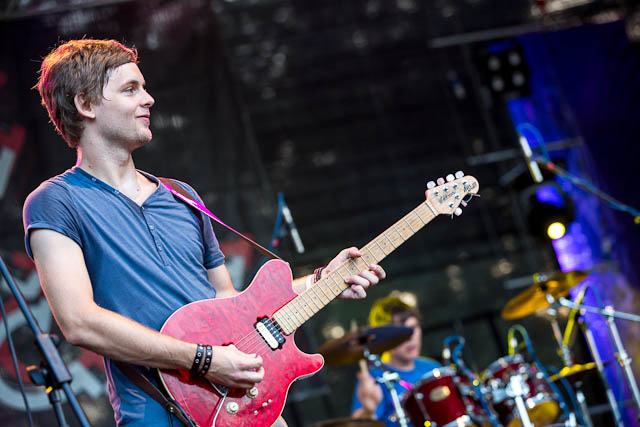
541	402
348	422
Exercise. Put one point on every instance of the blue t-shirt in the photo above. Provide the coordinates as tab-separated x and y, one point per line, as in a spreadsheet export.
144	262
386	411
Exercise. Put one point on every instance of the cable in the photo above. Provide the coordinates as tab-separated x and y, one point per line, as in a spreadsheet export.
14	358
570	393
529	346
470	375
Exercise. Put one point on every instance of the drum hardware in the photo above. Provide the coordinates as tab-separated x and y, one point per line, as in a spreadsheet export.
516	386
621	354
388	379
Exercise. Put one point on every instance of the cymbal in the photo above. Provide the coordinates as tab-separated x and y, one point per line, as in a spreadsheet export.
573	372
350	348
534	297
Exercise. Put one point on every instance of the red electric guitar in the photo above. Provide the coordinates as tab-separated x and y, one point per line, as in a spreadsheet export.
263	318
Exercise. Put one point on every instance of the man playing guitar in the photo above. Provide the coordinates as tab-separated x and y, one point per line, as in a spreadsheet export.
116	253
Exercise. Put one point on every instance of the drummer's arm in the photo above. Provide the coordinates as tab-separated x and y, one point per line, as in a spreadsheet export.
369	393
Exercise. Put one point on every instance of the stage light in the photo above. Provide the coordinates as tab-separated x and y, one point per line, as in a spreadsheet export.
548	209
556	230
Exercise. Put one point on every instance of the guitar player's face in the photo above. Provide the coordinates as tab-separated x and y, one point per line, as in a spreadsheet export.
123	115
410	349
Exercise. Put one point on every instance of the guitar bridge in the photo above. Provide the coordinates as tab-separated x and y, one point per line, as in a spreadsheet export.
270	333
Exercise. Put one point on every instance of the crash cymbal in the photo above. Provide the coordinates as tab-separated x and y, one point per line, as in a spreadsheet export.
350	348
574	372
534	297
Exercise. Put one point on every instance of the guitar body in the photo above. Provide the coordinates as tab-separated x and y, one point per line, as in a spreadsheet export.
230	321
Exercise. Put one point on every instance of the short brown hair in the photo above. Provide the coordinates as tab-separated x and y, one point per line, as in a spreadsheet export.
75	67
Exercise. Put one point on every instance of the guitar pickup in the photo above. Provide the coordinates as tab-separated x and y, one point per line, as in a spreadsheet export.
270	333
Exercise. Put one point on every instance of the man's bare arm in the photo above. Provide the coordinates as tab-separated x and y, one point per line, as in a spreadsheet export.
65	281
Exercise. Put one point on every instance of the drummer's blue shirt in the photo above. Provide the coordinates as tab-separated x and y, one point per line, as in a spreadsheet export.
386	411
144	262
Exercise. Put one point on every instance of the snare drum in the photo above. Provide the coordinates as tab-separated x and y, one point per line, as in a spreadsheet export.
541	402
435	398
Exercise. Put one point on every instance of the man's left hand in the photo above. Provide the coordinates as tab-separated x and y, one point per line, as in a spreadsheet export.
360	283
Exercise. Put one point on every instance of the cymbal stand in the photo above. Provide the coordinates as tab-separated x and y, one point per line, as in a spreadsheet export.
568	361
622	355
517	388
388	379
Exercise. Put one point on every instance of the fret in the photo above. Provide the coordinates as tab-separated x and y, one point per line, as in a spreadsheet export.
313	297
409	224
380	247
390	241
303	306
337	271
372	255
320	286
296	313
419	217
399	234
282	320
288	321
337	284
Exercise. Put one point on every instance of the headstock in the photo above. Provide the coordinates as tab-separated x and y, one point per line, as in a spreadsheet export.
446	195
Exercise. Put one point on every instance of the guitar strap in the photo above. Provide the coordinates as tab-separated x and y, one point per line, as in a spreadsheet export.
129	370
148	387
179	192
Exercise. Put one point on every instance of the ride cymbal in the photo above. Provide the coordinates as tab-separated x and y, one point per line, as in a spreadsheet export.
350	348
534	297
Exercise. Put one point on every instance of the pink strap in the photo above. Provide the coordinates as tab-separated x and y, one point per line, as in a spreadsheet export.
202	208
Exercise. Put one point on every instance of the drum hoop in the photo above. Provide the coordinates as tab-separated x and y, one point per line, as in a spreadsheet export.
444	371
502	363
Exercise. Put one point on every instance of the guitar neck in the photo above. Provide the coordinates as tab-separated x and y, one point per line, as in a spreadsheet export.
300	309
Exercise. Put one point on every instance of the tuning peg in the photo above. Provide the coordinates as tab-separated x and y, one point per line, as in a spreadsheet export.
440	181
463	203
430	185
458	212
450	178
459	174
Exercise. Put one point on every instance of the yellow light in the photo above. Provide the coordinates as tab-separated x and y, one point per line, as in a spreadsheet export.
556	230
427	424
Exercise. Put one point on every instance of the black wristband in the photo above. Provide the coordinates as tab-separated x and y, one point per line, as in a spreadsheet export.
197	359
208	354
317	274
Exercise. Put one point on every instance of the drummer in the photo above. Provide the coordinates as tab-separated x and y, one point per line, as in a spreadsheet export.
370	399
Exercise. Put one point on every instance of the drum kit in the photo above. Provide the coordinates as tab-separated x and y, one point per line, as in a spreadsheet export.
513	391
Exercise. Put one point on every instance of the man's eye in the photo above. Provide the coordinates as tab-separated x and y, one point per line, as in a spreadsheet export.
129	89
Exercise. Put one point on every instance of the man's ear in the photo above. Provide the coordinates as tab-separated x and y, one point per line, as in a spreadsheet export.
84	106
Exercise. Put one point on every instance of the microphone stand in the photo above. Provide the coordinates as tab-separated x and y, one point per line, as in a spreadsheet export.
622	355
52	373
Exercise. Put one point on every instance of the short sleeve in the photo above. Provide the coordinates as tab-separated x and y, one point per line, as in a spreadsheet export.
213	256
50	206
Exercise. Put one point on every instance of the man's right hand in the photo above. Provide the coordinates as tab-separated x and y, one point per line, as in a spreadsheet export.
369	393
233	368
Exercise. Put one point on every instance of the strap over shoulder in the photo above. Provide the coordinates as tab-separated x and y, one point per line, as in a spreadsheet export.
178	191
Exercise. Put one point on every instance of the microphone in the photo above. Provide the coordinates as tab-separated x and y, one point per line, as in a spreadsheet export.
531	163
297	241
